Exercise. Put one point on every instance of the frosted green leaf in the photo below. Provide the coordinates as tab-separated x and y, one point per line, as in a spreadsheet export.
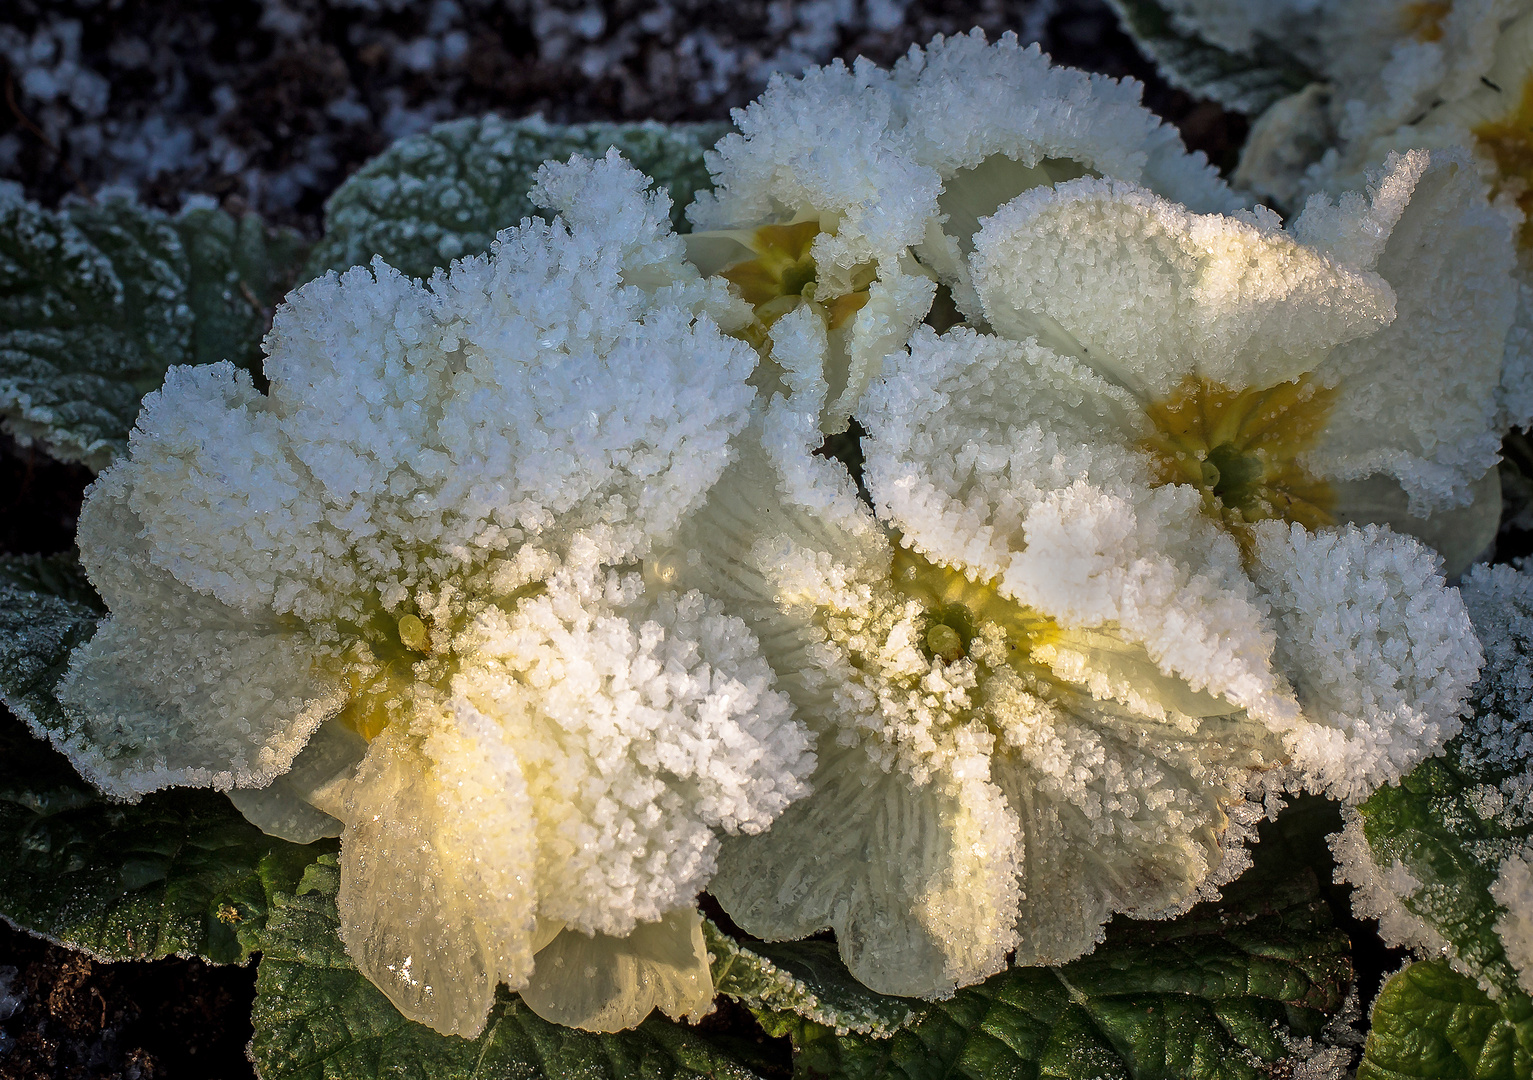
96	301
317	1018
1432	1023
1244	83
181	873
806	978
1242	989
1425	853
434	197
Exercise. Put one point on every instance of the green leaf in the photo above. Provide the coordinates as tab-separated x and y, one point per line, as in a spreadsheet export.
1435	843
317	1018
1246	83
97	300
180	873
237	272
1231	990
434	197
1432	1023
806	978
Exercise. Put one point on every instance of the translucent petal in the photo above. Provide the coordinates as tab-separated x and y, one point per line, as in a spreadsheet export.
436	898
1460	534
602	983
920	899
279	811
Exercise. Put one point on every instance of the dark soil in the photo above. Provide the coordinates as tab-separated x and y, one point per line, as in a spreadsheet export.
65	1017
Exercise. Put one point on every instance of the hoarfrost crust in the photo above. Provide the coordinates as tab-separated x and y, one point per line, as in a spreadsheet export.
921	154
414	538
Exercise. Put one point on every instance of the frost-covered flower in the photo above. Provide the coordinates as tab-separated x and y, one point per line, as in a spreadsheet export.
1342	370
401	593
857	191
1395	75
1043	681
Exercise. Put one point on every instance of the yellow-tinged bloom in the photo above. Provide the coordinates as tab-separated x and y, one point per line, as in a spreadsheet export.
400	597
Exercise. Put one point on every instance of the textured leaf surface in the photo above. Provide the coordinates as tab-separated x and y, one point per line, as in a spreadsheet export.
806	978
181	873
1243	83
1436	842
1432	1023
96	301
317	1018
1232	990
443	194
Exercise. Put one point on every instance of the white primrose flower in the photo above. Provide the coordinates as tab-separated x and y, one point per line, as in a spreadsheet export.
856	191
1296	393
1343	370
1043	681
400	596
1396	75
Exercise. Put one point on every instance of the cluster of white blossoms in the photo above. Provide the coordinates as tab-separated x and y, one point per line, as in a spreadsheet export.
533	582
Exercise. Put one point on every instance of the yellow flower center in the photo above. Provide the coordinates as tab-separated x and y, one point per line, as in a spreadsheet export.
1424	21
959	610
782	275
1240	448
1509	141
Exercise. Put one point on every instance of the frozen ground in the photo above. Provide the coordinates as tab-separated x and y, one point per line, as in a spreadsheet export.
271	103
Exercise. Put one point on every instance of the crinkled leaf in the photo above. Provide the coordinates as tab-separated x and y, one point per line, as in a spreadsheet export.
806	978
1438	839
317	1018
181	873
237	272
1231	990
96	301
1244	83
445	193
1432	1023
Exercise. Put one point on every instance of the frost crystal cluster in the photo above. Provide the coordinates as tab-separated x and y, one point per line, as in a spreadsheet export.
417	560
536	584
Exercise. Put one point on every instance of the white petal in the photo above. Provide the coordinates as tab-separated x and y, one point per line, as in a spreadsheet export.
919	883
175	687
1419	399
1381	653
604	983
1147	293
1460	534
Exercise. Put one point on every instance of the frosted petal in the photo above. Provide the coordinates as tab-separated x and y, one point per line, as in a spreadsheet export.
175	687
1148	293
602	983
1381	653
1513	890
1018	465
1419	399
